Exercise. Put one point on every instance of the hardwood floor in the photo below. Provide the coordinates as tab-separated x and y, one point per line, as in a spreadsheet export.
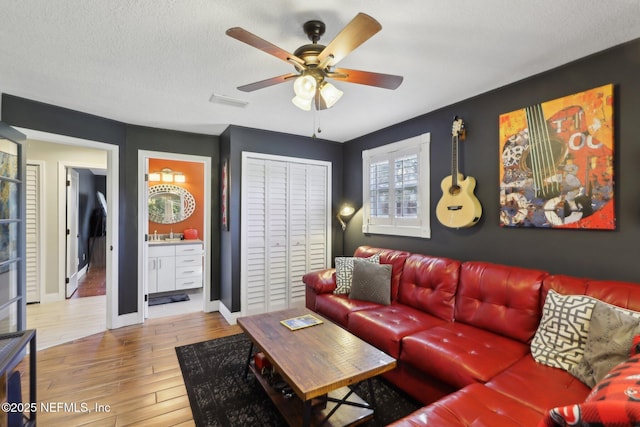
93	283
132	371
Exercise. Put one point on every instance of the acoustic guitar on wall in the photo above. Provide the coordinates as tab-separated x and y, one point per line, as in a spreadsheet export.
458	207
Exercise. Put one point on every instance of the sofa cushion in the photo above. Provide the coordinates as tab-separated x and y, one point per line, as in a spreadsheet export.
385	326
499	298
460	354
474	405
429	284
387	256
338	307
611	333
562	334
539	386
344	272
371	282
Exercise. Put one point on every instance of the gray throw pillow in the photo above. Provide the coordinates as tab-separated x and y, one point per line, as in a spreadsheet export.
609	340
371	282
344	272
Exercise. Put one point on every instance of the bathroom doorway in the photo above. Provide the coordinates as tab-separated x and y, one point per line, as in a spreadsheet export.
174	217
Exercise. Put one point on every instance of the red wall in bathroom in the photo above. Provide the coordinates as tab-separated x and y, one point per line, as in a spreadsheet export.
194	176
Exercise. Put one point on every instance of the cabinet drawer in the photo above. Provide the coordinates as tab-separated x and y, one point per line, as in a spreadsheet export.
189	282
161	250
182	272
189	261
188	249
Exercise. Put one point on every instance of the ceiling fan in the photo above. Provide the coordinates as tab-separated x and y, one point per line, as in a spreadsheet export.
314	63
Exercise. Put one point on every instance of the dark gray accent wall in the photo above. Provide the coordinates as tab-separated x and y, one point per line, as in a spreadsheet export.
35	115
586	253
234	141
167	141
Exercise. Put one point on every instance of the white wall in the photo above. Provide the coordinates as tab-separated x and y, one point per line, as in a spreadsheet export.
52	155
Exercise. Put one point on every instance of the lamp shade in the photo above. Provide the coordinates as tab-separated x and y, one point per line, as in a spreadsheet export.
330	94
347	210
305	86
302	103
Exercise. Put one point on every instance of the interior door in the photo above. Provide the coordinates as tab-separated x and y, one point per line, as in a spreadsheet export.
33	240
72	233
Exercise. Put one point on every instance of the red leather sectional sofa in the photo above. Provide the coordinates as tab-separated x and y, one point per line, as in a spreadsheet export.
461	332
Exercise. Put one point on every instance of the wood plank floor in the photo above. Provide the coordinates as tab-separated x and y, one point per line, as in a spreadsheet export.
134	370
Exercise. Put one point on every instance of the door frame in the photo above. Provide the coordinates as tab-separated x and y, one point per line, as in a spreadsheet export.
113	196
71	225
229	316
143	226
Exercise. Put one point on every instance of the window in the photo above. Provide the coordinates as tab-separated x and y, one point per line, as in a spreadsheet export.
396	188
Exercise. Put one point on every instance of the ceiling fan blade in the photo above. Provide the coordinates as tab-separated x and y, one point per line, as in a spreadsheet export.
266	83
252	40
387	81
359	30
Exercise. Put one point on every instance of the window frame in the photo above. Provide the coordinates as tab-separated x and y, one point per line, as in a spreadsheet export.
412	227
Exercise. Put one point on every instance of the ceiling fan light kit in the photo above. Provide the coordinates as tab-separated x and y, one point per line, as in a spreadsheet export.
315	62
305	86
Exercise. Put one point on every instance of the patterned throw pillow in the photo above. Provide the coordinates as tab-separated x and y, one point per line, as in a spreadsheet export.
561	336
344	272
613	402
371	282
611	333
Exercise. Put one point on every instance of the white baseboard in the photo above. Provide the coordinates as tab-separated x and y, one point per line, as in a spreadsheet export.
230	317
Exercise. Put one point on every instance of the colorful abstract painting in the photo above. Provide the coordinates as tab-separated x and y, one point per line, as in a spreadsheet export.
556	163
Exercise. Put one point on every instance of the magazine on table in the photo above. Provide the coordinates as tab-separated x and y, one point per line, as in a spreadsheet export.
301	322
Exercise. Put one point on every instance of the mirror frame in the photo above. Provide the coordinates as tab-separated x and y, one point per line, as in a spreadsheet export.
188	205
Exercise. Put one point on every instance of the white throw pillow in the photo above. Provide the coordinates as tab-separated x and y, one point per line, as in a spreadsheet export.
344	272
561	336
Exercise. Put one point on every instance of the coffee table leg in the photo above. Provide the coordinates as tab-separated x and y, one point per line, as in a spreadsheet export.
372	403
306	413
246	368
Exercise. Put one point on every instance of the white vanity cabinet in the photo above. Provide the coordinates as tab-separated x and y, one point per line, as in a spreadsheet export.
174	266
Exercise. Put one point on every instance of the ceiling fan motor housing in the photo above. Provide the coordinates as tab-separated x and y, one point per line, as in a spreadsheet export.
314	29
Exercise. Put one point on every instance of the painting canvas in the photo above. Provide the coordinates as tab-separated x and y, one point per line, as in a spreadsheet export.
556	163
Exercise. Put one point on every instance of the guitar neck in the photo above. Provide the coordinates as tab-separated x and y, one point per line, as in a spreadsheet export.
454	159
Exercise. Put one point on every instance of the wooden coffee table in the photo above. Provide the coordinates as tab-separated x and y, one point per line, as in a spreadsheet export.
318	363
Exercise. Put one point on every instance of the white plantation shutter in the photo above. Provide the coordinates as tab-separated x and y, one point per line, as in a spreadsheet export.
285	229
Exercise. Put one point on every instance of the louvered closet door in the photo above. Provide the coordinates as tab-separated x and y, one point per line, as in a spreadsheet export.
32	224
307	226
255	251
277	264
285	228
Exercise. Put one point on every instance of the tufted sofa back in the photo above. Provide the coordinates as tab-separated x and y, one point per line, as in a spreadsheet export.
429	284
500	298
622	294
387	256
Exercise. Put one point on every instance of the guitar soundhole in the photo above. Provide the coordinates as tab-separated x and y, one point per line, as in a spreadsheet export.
454	190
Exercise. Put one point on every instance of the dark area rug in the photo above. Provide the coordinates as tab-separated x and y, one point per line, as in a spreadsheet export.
168	299
220	396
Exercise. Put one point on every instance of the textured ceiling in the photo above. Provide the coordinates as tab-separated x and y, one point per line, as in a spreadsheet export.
157	62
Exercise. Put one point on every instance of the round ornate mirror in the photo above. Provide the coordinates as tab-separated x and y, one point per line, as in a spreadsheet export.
169	204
